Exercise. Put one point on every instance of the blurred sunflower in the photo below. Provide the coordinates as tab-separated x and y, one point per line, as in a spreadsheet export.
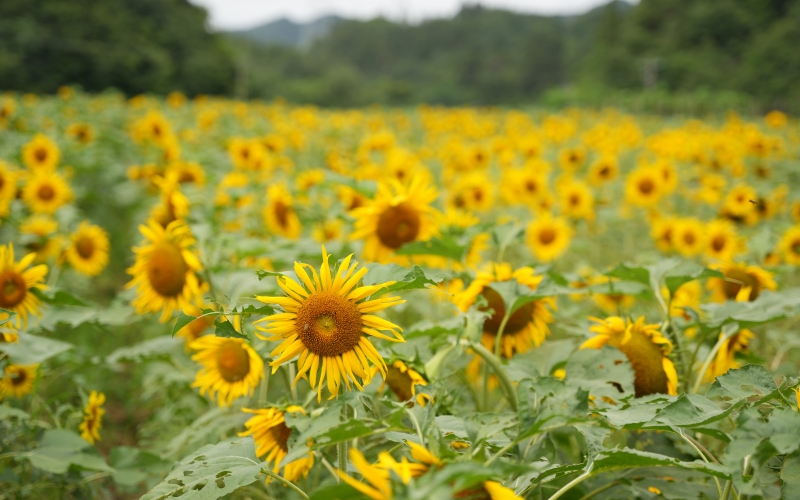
689	237
663	231
16	282
725	358
164	270
737	202
789	245
231	368
571	159
472	191
279	214
87	251
44	241
645	348
8	187
93	417
403	381
18	381
271	435
643	187
548	237
576	200
46	191
741	282
398	214
325	322
81	132
603	170
41	153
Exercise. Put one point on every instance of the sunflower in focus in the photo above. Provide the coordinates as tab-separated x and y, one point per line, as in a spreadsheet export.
725	359
271	435
722	241
164	273
548	237
279	214
18	381
41	153
93	417
645	348
326	322
46	191
87	251
398	214
789	245
742	283
689	237
526	328
16	282
231	368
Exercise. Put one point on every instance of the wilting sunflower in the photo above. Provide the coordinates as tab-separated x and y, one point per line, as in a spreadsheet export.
271	435
645	348
689	236
41	153
279	214
722	241
741	282
548	237
87	251
526	328
8	187
16	283
643	187
18	380
725	359
789	245
46	191
403	381
93	417
164	271
398	214
325	322
231	368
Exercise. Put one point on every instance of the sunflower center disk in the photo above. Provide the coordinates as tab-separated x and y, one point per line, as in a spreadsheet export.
547	236
233	361
166	270
398	225
516	322
735	279
280	433
328	324
85	247
400	383
718	243
647	362
41	154
46	192
12	289
646	186
282	212
20	378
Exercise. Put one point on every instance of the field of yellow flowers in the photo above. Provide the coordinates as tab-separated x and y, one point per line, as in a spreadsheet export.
205	298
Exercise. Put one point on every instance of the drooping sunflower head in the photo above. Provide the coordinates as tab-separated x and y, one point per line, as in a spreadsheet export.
279	214
164	273
18	381
548	237
231	368
87	251
398	214
327	321
645	348
271	435
41	153
741	282
17	280
92	417
46	191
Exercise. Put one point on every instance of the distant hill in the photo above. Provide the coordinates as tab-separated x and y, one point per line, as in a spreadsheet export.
289	33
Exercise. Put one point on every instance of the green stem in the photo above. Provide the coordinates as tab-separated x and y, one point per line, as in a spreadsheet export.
494	362
702	455
341	448
285	482
599	490
569	485
701	374
498	341
416	424
727	492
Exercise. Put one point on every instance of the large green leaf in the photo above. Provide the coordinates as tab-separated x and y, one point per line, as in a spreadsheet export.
691	410
768	307
686	272
8	412
446	246
61	449
31	349
403	278
204	430
156	347
743	383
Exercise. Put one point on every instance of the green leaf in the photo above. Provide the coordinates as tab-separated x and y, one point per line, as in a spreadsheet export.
60	449
159	346
427	328
688	271
637	411
132	465
343	432
790	475
8	314
183	320
627	458
743	383
263	274
56	297
226	329
31	349
8	412
208	428
211	472
690	410
403	277
506	234
446	247
768	307
628	272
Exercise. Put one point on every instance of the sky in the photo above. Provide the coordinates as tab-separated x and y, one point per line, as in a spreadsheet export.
242	14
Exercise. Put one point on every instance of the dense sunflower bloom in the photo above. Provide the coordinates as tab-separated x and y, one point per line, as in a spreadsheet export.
398	214
789	245
645	348
87	251
231	368
689	237
722	241
164	271
725	358
46	191
526	327
548	237
325	322
16	282
271	435
18	380
279	214
93	417
741	282
41	153
8	187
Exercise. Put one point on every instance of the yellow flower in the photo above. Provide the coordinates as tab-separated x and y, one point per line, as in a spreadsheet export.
571	159
738	204
576	200
8	187
403	382
524	186
548	237
663	232
689	237
723	243
789	245
231	368
81	132
92	417
41	153
46	191
18	381
612	303
279	214
645	348
497	491
247	154
87	251
16	282
472	191
725	359
153	127
605	169
644	187
687	295
328	230
379	487
776	119
271	435
398	214
186	172
164	273
325	322
741	282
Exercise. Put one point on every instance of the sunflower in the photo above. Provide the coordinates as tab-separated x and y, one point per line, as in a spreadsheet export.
164	273
46	191
725	358
186	172
174	204
279	214
603	170
325	322
789	245
380	485
271	435
398	214
686	296
8	187
327	230
18	380
571	159
41	153
81	132
738	203
231	368
524	185
741	282
611	303
41	230
87	251
472	191
643	187
16	283
663	231
526	328
689	237
403	381
576	200
548	237
247	154
723	243
194	329
93	417
645	348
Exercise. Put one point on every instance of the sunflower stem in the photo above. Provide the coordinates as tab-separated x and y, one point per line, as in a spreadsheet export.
497	367
569	485
341	447
285	482
497	343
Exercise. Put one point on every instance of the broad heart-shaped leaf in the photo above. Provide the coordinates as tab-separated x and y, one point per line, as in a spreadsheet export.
60	449
768	307
685	272
790	475
690	410
743	383
629	272
636	412
206	429
602	372
159	346
447	247
403	277
226	329
31	349
56	297
132	465
211	472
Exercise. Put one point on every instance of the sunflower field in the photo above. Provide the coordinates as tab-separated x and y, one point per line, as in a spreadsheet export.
206	298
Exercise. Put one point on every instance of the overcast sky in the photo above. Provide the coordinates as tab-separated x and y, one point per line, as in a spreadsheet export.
242	14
